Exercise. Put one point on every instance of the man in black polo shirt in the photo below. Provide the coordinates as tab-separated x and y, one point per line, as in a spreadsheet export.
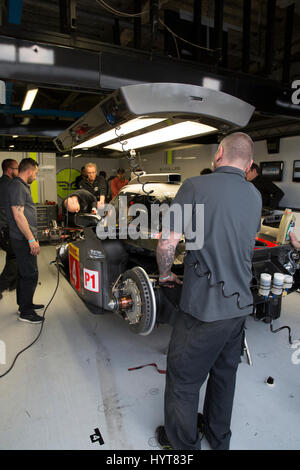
207	336
270	193
96	185
22	221
8	277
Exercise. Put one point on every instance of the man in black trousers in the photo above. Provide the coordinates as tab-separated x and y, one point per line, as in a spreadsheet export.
8	277
207	335
22	221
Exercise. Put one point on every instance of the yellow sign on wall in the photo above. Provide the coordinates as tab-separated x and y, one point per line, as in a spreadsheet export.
65	181
34	184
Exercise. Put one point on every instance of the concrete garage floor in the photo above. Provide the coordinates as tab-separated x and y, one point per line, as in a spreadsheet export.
75	378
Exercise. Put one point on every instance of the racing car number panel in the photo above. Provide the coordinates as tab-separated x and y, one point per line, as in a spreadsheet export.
74	269
91	280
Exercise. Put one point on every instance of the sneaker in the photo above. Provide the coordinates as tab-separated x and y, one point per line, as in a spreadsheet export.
37	306
31	317
162	438
34	307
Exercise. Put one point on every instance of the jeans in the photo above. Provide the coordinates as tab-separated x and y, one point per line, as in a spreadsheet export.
198	349
27	275
8	277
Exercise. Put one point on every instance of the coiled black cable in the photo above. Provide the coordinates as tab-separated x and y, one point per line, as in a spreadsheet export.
42	325
132	160
222	283
286	327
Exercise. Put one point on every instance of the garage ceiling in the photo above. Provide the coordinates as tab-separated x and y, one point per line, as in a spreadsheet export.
251	47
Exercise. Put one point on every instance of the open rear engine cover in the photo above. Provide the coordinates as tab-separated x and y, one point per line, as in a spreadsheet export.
137	283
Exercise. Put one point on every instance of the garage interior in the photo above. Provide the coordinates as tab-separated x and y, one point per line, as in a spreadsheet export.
75	379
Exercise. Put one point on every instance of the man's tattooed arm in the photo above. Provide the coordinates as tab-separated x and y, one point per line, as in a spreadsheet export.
165	253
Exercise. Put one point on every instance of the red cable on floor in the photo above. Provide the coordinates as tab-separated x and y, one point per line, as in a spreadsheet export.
160	371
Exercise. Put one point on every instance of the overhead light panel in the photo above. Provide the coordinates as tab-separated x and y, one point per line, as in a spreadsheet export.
29	98
166	134
136	107
124	129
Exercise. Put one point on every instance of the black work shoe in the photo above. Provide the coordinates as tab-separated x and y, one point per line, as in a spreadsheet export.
1	295
12	287
31	317
162	438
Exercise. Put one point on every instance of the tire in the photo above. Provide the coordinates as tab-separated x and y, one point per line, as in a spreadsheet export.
147	319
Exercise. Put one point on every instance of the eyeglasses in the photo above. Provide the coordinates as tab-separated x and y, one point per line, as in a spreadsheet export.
12	168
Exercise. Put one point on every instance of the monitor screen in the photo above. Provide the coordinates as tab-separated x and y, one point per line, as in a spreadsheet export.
272	170
296	171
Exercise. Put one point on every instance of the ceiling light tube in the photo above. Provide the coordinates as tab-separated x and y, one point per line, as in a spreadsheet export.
166	134
127	128
29	98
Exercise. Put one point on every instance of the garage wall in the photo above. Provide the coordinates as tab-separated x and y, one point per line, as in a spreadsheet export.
289	151
104	164
187	162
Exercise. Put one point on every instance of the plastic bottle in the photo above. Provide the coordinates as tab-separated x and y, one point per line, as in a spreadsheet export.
265	284
277	285
288	283
287	225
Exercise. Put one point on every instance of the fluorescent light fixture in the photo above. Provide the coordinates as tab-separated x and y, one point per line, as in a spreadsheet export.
174	132
15	136
127	128
29	98
11	146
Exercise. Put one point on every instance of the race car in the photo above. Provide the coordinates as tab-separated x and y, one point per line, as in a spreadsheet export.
112	266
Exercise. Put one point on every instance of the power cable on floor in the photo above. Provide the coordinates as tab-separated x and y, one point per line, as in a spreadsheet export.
42	325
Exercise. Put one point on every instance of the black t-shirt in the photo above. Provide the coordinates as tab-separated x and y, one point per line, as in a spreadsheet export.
97	187
270	193
87	202
78	180
19	194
